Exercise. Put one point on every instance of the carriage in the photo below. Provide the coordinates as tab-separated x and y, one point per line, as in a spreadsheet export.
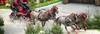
20	10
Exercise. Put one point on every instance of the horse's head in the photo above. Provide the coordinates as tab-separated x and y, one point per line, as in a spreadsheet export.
83	16
54	9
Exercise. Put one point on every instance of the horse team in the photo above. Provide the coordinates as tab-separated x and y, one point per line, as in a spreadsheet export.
76	21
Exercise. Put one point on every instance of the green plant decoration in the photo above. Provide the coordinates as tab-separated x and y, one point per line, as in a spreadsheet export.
56	29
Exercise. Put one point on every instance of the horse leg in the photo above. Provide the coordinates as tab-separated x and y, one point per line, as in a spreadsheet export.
67	30
12	20
73	27
33	20
20	18
43	23
77	26
85	25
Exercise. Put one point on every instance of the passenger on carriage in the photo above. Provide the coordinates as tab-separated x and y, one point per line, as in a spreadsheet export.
24	4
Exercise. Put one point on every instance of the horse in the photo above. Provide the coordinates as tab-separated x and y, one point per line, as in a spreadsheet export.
45	16
32	16
68	20
81	20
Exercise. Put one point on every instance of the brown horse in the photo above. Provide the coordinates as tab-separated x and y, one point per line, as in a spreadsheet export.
81	21
45	16
67	21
